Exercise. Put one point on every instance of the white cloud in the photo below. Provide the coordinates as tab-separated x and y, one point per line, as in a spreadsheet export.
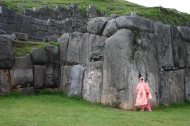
180	5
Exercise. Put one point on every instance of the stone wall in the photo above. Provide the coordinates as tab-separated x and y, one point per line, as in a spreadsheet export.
105	63
39	29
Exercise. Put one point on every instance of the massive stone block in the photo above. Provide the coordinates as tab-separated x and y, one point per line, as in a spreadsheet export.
64	40
65	74
184	31
38	56
5	81
76	80
6	53
172	86
84	49
39	76
22	72
111	28
187	50
164	46
96	25
73	48
53	75
93	82
178	48
117	49
139	23
126	58
53	54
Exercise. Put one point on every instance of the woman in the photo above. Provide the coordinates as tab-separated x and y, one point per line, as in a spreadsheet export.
143	94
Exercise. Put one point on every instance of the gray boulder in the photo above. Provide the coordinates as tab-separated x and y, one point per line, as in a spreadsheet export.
6	53
67	24
53	54
184	31
179	52
164	46
172	86
5	82
76	80
39	57
20	36
96	25
111	28
64	40
91	11
53	75
84	49
39	76
65	74
93	82
73	48
139	23
22	72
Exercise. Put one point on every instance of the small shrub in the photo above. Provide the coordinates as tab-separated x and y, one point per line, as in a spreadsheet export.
13	94
49	91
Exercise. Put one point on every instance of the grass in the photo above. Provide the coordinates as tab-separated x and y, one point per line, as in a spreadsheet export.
120	7
21	48
56	109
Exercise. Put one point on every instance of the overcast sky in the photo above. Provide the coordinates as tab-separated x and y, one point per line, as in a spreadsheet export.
180	5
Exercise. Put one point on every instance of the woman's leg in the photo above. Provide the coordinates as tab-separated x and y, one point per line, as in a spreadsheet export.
148	106
142	108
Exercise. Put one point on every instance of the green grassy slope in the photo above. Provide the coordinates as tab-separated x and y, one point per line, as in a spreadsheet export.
120	7
59	110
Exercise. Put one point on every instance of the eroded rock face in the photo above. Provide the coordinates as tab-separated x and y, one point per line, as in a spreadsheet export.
5	81
93	82
64	82
187	84
76	80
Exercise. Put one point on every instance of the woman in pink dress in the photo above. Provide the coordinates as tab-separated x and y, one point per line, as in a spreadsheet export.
143	94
